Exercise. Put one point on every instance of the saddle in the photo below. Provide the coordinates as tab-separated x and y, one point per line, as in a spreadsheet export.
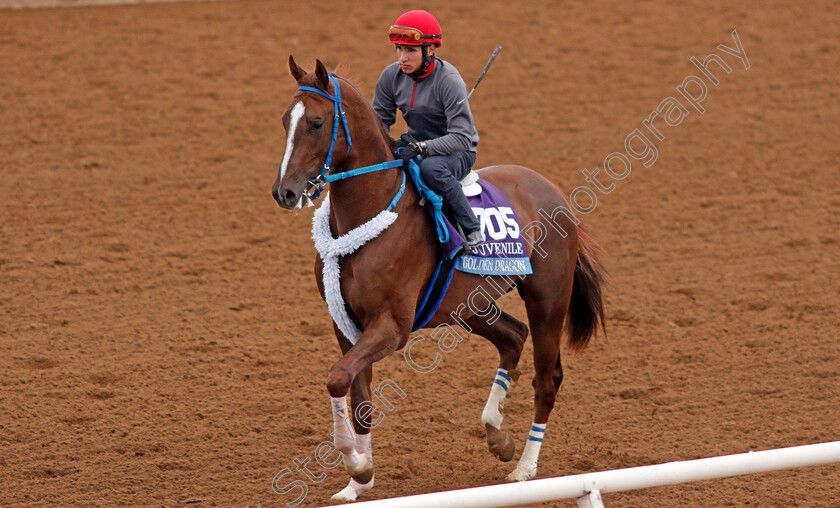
469	184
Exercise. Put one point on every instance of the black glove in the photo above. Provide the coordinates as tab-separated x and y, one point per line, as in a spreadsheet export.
412	150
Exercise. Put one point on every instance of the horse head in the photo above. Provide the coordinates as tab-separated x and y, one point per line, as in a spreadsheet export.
309	122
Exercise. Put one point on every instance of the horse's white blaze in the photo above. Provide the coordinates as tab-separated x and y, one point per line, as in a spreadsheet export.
297	113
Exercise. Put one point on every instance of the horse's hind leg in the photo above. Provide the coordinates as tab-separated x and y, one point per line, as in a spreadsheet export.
508	335
546	303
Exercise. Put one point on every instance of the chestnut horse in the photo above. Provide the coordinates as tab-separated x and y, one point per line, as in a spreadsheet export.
383	281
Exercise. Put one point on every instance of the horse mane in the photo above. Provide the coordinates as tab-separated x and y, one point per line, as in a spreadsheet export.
342	72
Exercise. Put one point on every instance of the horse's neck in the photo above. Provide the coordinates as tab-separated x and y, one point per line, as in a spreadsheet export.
356	200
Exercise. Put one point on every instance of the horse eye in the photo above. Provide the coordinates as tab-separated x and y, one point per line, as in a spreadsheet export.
317	124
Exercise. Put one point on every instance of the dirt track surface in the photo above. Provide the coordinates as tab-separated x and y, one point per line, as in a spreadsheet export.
162	341
37	4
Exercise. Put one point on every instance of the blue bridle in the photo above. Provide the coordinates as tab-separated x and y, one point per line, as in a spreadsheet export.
340	117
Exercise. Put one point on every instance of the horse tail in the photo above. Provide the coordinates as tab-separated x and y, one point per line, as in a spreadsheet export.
586	308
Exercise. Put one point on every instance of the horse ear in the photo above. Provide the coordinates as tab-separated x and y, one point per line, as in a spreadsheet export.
323	79
297	72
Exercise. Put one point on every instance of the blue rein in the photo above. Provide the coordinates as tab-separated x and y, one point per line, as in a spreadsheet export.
340	117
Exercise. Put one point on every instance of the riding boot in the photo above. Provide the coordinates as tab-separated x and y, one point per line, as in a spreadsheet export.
474	237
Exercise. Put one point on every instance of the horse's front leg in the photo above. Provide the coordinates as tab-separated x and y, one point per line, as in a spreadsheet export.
379	339
359	395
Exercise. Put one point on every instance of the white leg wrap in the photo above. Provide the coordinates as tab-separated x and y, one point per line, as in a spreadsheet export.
364	445
493	413
527	466
344	436
355	489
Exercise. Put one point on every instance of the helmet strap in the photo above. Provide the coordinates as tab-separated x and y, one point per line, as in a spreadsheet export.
424	67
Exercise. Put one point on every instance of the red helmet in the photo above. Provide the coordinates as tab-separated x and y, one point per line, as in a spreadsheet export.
416	28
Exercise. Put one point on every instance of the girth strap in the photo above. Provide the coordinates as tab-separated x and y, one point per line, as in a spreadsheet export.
435	291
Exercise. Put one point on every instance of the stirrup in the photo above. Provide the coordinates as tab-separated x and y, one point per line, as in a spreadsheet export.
480	241
466	248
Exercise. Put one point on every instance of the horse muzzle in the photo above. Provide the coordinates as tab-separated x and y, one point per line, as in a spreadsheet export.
289	199
286	198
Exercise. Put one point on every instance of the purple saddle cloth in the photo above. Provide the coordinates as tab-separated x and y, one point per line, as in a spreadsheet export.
503	252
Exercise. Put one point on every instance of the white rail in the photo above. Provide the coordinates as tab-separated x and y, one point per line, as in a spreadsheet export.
587	488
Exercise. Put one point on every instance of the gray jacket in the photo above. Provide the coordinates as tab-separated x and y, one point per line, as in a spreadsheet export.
429	106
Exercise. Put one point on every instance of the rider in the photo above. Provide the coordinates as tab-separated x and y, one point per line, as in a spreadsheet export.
431	96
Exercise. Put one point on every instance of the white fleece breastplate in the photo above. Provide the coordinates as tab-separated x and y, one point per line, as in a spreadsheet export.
331	249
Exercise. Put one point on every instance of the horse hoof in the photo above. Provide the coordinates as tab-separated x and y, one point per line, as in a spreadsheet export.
361	470
351	492
501	445
346	495
364	476
520	475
